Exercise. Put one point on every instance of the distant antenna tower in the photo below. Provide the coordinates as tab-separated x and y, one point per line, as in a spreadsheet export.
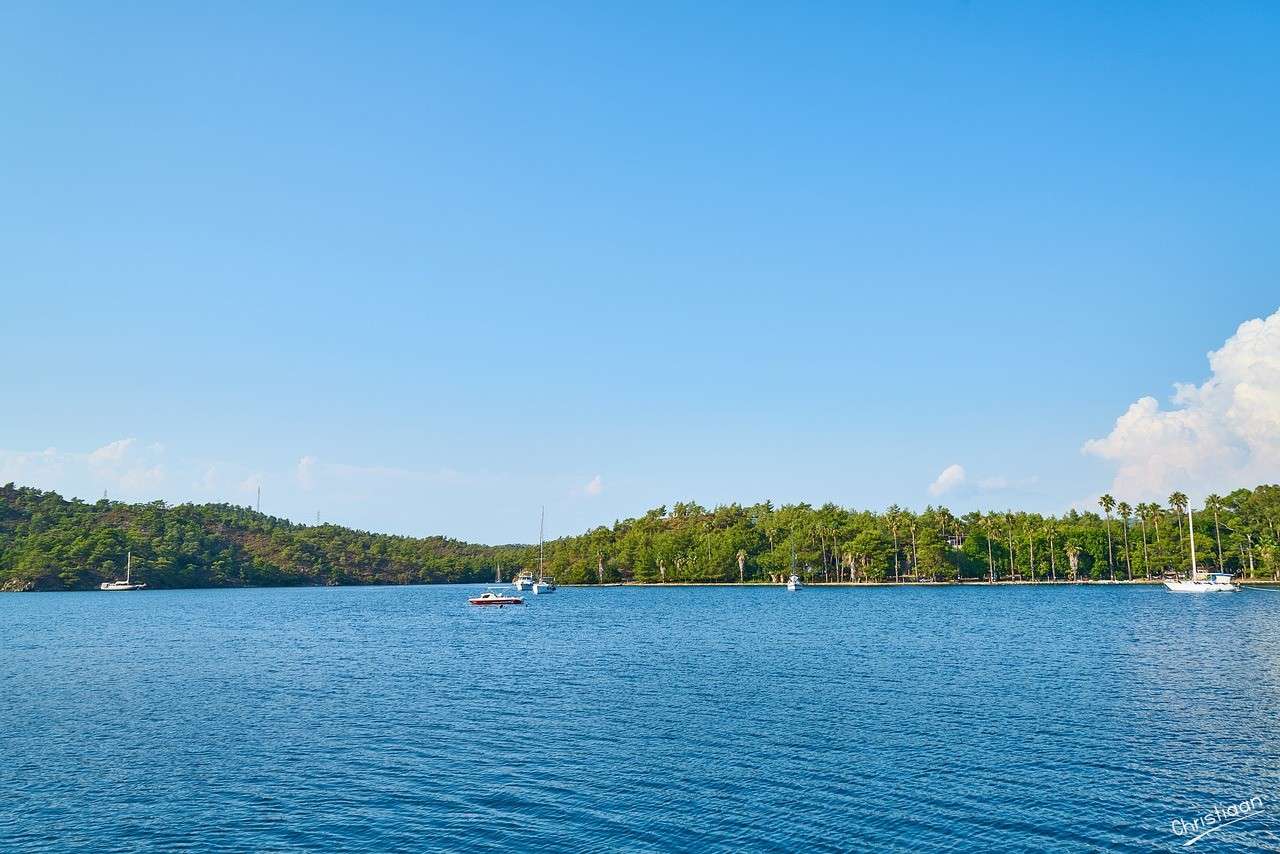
259	499
317	517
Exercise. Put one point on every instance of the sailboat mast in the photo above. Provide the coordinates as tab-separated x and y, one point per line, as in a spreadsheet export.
128	568
542	521
1191	526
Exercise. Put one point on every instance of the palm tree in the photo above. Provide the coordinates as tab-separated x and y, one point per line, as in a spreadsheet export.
1053	564
1031	546
1107	503
1008	521
894	514
1214	503
1144	510
1073	558
1178	501
915	555
1125	512
989	525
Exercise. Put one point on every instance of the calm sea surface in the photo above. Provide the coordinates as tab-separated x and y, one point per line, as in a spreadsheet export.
730	719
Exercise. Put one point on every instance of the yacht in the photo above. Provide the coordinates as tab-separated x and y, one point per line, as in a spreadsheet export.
492	596
523	581
127	584
1213	582
545	583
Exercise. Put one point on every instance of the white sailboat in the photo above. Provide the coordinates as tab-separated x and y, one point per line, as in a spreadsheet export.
1214	582
127	584
793	582
545	583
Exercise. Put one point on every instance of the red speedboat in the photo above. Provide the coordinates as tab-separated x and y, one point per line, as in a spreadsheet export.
489	597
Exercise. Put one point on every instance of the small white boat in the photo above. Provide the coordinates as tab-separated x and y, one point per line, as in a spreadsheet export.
1214	582
523	581
498	598
127	584
545	584
793	583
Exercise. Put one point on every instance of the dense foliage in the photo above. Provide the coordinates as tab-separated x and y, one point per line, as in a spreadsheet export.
48	542
830	543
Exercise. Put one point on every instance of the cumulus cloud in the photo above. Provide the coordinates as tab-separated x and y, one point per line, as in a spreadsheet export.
121	466
951	478
112	452
595	486
1219	435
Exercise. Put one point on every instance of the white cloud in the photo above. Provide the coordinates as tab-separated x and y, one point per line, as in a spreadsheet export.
595	486
30	466
120	466
312	472
950	479
461	503
1220	435
111	453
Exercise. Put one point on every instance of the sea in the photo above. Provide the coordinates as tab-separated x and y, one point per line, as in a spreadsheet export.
734	719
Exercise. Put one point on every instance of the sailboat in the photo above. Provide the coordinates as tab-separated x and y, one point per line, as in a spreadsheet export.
1214	582
127	584
793	583
545	583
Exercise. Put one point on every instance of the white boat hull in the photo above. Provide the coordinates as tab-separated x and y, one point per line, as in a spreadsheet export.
1185	586
539	589
119	585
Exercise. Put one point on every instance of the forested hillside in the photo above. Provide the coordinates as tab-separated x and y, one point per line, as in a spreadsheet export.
51	543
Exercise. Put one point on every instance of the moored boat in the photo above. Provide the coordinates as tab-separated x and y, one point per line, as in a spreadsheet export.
545	583
1216	582
493	597
1213	582
127	584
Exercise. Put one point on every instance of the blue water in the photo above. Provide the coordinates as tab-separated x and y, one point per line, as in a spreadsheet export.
399	719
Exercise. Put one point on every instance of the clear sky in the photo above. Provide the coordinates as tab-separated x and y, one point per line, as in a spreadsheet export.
426	267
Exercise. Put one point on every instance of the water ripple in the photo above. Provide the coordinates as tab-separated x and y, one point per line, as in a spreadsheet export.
398	719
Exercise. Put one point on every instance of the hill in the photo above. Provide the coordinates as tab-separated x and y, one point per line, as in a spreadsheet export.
48	542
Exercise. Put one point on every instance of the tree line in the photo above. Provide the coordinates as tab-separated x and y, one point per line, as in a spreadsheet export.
49	542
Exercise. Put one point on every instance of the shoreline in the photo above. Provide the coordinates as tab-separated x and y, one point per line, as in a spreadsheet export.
965	583
658	584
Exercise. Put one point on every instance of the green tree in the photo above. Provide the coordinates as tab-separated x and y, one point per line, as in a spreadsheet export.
1107	503
1125	512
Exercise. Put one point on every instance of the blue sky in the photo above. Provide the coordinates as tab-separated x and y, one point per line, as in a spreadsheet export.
425	267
